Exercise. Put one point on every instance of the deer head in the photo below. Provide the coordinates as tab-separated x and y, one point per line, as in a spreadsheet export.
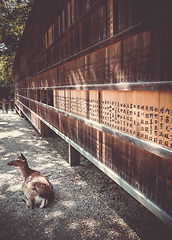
18	162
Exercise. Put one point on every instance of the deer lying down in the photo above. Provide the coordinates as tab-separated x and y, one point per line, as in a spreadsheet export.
36	187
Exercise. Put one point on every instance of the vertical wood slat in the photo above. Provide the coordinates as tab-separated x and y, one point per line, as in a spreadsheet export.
169	190
167	123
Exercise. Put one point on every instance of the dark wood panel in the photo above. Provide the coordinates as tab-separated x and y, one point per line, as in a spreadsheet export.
149	23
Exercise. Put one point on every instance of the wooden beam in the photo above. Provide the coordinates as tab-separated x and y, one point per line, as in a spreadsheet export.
138	86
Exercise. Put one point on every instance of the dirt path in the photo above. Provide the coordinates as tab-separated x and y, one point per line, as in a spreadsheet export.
87	204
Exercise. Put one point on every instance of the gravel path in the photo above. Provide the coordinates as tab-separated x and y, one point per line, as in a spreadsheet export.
87	204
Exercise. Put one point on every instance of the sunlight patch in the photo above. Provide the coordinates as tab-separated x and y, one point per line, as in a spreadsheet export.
14	188
55	215
6	176
81	183
14	133
69	204
73	225
91	223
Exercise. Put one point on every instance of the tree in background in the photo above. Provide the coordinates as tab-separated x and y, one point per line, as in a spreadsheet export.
13	16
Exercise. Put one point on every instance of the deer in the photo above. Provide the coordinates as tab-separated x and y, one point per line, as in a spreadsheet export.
36	187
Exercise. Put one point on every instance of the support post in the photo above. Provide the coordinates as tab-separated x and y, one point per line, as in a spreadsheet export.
44	130
74	157
21	113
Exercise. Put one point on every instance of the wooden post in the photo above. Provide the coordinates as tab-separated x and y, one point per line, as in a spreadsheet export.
74	157
21	113
44	130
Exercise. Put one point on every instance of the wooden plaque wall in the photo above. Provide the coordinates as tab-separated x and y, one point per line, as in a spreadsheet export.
99	72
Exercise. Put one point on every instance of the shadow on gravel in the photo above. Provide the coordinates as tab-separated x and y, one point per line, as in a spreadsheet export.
143	222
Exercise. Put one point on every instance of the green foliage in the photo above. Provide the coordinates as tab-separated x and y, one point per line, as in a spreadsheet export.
13	16
6	78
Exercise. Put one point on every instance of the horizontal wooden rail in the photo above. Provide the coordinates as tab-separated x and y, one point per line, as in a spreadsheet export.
139	86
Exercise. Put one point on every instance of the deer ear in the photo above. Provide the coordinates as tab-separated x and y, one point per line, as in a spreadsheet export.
23	157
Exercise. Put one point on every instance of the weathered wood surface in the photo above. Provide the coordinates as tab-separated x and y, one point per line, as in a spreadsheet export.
99	73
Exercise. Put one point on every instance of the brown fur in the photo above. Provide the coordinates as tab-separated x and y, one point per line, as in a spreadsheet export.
36	187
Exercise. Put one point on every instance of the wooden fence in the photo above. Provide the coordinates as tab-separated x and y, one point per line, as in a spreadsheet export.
99	74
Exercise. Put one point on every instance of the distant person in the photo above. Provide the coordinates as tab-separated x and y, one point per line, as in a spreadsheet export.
0	104
3	105
6	106
12	105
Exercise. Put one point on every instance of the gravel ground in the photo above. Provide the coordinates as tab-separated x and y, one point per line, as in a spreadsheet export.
87	204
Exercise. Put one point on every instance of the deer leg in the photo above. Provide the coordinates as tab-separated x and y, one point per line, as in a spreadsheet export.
29	203
23	198
22	187
43	203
